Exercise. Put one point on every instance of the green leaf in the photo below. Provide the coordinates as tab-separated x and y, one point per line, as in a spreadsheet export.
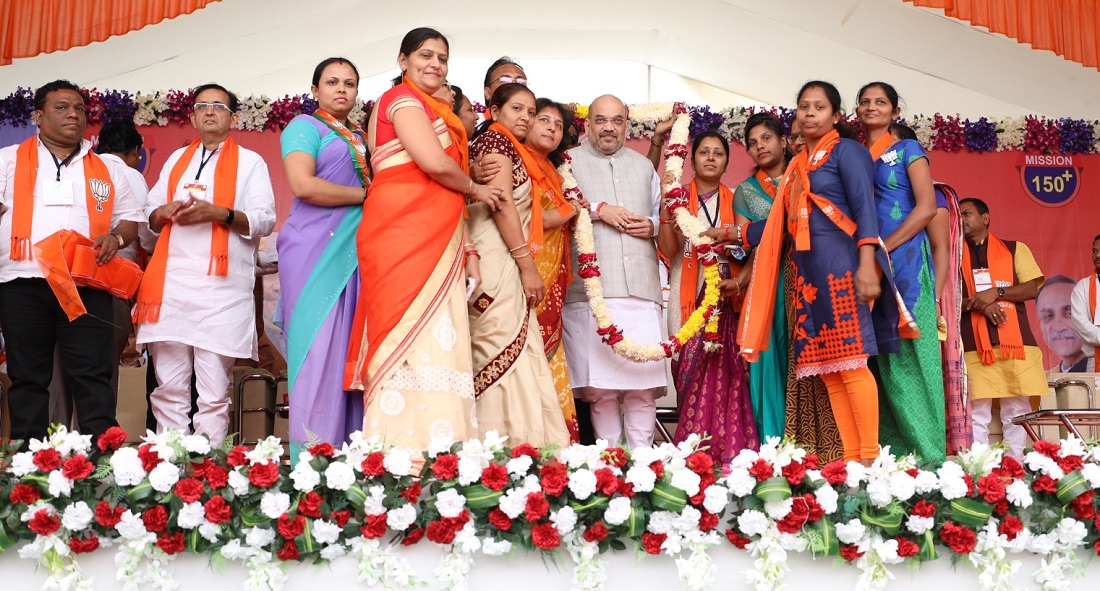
668	498
971	512
773	489
1071	486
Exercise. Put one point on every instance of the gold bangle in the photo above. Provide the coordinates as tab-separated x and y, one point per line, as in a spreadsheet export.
526	254
470	189
517	248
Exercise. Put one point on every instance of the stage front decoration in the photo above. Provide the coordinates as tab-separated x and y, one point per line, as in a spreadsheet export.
176	494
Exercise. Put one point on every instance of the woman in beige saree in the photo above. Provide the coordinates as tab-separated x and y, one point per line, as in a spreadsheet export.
512	379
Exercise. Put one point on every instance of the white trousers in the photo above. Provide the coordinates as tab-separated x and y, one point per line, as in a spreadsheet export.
639	414
171	400
1015	437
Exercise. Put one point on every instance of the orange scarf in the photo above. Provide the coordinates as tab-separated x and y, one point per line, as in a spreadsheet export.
454	125
882	144
534	241
689	270
1001	271
151	292
800	199
1092	311
767	183
98	197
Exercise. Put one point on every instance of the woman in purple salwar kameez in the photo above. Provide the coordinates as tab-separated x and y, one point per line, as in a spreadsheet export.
326	163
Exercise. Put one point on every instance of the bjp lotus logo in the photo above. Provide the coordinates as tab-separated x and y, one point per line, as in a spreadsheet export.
101	191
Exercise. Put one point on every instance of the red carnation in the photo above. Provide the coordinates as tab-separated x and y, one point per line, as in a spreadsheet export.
263	475
796	518
24	493
707	521
537	507
1012	467
811	461
606	481
375	527
992	488
835	472
906	548
43	523
445	466
1010	527
155	519
545	536
704	483
596	533
374	465
500	520
289	551
310	505
526	449
1082	506
189	490
291	528
216	476
961	540
77	468
658	468
47	460
108	516
762	470
149	458
1000	508
217	510
440	533
110	440
1045	484
322	449
737	539
413	537
170	543
237	457
412	493
626	489
923	509
794	472
969	480
701	463
341	517
652	542
1048	449
615	456
1070	463
850	552
554	478
814	510
79	546
494	476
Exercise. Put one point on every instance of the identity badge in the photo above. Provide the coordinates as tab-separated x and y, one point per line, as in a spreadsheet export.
56	192
982	280
194	191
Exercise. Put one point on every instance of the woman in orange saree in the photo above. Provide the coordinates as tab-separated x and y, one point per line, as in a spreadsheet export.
410	344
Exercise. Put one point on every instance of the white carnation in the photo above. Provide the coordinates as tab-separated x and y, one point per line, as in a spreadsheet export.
919	525
258	537
1037	462
375	501
952	487
398	462
469	469
878	491
339	476
210	531
76	516
491	547
23	463
127	467
305	477
689	519
518	467
514	502
926	482
1091	472
582	483
565	519
687	481
196	444
450	503
238	482
741	483
164	476
744	460
191	515
326	532
131	527
439	445
827	497
856	474
1019	493
641	477
752	522
333	551
716	498
401	518
851	532
779	509
618	511
59	485
661	522
273	504
902	486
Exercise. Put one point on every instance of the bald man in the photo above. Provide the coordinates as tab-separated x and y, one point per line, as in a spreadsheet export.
622	187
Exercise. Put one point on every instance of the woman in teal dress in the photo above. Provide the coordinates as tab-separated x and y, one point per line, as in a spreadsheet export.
912	401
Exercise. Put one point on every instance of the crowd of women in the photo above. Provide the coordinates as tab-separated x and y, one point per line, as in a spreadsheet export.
419	246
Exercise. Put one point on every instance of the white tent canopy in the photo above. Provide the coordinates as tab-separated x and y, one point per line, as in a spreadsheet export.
718	52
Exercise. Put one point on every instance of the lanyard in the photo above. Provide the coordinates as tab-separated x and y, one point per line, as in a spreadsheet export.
703	204
203	160
68	159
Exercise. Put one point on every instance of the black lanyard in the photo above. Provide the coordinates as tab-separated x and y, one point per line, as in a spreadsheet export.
203	159
67	160
713	221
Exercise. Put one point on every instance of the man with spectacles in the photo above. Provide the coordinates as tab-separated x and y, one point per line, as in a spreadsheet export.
195	309
503	71
51	182
622	187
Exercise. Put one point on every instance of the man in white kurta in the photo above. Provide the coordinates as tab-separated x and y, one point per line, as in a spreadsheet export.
1086	310
622	187
206	321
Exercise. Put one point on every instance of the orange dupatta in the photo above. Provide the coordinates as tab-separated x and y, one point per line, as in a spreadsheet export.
534	240
689	271
98	191
151	293
880	146
1001	270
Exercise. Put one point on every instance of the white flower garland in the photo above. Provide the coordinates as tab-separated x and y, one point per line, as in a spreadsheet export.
691	228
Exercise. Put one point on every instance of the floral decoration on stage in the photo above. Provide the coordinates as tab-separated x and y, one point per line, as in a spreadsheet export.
676	199
950	133
175	493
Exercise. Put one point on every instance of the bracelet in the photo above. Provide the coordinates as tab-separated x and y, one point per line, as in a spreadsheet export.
468	245
472	252
726	231
526	254
664	221
740	239
229	218
598	208
517	248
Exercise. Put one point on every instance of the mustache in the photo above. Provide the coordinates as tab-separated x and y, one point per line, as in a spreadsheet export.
1064	334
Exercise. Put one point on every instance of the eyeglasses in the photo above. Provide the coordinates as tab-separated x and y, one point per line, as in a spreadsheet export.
600	121
216	107
796	139
511	80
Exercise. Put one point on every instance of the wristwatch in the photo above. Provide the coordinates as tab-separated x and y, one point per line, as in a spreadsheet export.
1000	292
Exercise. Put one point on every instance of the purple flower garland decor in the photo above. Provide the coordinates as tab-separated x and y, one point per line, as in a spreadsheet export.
981	135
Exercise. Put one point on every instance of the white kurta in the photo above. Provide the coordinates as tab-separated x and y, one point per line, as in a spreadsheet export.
592	364
207	311
48	219
1086	319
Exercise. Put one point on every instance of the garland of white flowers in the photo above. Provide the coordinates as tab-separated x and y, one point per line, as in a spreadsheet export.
677	200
